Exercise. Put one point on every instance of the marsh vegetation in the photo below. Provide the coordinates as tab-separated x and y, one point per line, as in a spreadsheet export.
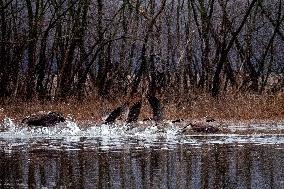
62	49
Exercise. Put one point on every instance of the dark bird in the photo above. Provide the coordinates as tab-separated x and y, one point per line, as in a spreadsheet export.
50	119
200	128
134	112
156	107
147	119
209	119
177	121
115	114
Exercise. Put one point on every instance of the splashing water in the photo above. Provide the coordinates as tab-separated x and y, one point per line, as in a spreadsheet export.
114	135
9	124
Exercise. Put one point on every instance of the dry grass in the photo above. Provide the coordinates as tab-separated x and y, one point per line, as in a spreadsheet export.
231	107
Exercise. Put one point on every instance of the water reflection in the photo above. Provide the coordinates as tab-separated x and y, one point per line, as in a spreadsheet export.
85	165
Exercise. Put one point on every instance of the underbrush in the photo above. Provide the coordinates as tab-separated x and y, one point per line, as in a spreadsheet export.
238	107
229	107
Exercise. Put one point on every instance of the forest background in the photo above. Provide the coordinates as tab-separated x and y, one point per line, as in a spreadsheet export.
222	58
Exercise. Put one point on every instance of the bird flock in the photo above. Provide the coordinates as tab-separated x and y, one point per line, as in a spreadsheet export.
132	113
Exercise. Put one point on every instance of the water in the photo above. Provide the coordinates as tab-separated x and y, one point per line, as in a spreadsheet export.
102	156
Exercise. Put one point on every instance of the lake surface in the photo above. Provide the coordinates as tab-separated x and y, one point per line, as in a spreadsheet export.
68	156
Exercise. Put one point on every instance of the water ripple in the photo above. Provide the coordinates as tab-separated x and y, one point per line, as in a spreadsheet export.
120	136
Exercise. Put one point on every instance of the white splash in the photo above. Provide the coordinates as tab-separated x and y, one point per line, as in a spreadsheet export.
9	124
120	135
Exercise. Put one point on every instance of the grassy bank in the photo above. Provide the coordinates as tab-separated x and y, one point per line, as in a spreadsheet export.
232	107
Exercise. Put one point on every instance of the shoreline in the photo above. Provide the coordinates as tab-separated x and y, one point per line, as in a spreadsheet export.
225	128
231	108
